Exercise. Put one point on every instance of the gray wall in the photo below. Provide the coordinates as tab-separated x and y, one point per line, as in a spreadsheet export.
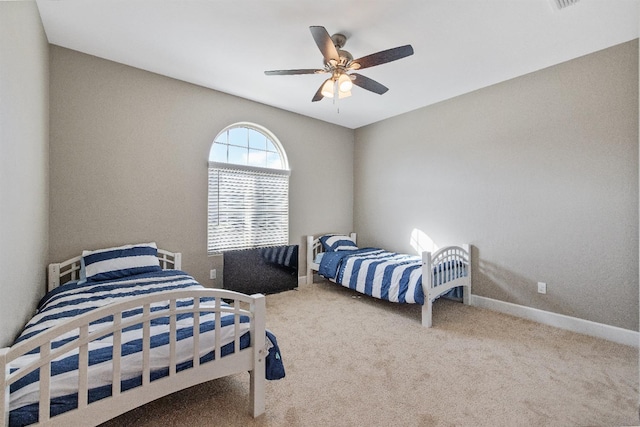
24	173
540	173
129	154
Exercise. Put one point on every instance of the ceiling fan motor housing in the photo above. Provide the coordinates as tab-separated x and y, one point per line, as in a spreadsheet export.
339	40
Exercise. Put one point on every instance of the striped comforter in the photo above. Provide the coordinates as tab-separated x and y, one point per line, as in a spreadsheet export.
381	274
387	275
75	298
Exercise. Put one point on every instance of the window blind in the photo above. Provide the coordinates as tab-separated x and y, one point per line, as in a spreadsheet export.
248	208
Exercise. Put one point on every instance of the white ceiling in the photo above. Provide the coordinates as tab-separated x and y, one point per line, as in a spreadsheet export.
226	45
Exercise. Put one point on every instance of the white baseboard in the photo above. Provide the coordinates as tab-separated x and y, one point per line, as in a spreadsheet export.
573	324
581	326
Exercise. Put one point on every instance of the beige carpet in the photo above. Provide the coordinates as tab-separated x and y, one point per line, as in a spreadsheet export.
356	361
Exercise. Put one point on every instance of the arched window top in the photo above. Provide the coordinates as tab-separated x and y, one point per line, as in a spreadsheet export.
248	144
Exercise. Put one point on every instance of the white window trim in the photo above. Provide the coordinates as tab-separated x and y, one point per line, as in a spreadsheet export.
261	129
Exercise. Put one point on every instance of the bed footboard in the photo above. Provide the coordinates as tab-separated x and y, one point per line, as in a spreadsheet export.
166	305
443	270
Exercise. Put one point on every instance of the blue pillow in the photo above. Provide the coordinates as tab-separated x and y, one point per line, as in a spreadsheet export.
121	261
332	243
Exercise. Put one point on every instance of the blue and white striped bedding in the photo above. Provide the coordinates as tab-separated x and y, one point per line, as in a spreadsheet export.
381	274
75	298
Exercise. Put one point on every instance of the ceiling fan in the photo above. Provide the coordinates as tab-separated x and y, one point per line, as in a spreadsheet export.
340	64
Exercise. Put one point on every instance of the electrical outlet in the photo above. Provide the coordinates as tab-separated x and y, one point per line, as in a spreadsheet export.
542	288
212	274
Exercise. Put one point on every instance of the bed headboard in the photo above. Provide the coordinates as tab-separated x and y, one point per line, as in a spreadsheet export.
65	271
314	247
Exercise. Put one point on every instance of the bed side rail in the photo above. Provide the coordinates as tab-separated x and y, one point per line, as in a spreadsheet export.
164	305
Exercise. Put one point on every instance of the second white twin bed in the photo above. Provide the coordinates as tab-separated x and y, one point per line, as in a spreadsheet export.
391	276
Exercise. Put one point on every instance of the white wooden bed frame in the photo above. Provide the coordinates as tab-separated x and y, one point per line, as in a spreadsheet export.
454	254
251	359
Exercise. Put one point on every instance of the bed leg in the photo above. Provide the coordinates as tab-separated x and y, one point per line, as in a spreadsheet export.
4	390
466	290
257	391
427	312
309	260
257	378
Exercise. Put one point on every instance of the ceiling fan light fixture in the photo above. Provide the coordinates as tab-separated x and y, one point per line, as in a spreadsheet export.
342	94
327	89
344	83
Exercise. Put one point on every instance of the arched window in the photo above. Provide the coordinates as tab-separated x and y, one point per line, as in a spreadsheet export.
248	190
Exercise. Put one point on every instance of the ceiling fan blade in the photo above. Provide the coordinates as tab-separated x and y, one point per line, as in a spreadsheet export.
369	84
382	57
293	72
325	44
318	96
